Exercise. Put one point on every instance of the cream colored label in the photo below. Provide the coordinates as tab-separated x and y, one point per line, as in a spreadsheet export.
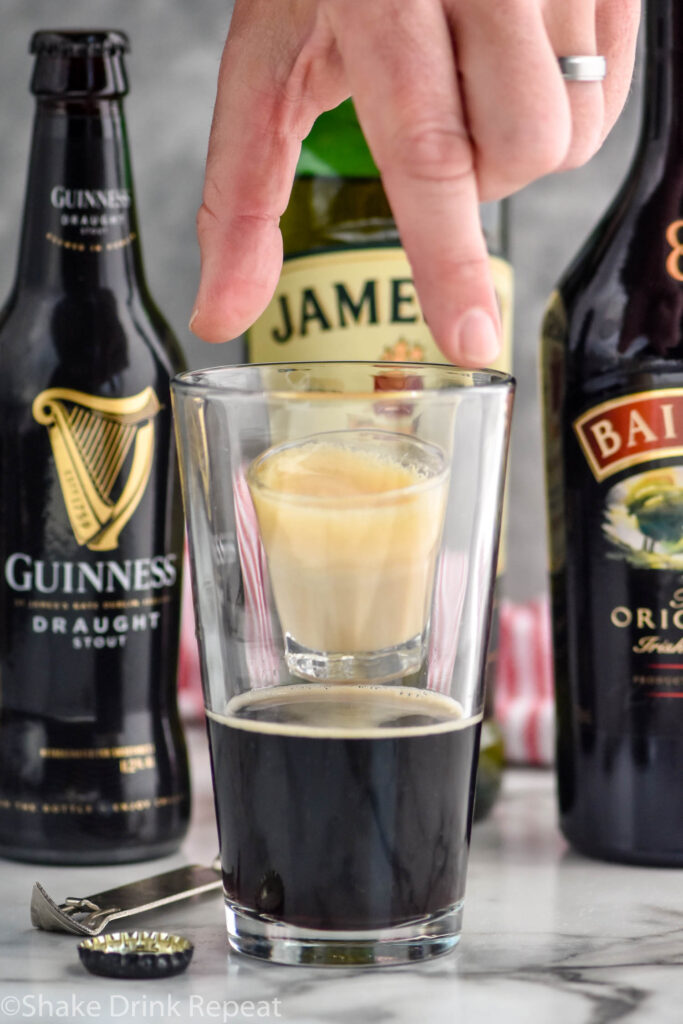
357	304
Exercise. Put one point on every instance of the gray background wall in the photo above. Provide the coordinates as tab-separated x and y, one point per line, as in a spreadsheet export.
172	69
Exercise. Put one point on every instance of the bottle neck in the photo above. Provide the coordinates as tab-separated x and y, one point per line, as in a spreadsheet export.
336	147
662	120
80	227
335	153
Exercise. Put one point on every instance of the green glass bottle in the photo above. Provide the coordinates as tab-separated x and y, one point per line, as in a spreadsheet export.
346	292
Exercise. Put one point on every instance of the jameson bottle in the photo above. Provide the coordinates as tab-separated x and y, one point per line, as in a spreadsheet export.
346	292
613	383
93	767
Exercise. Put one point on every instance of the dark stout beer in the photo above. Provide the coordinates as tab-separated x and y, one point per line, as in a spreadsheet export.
344	807
93	766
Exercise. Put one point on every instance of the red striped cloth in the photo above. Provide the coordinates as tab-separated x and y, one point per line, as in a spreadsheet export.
524	685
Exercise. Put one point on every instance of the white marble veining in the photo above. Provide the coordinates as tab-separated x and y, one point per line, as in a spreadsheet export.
549	938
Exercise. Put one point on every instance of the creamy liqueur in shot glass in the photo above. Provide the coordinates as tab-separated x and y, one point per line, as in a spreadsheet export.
351	523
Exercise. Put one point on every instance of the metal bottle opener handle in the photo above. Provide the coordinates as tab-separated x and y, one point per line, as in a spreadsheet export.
89	915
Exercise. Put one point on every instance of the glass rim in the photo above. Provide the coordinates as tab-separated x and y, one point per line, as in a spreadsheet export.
203	381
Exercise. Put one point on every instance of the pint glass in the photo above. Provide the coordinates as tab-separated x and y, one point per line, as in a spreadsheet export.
343	524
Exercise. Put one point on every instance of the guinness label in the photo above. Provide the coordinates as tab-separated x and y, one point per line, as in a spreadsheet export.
103	450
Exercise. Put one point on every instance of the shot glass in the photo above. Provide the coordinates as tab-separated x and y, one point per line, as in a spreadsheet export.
343	523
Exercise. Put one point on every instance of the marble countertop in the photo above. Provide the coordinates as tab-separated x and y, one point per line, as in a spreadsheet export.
549	938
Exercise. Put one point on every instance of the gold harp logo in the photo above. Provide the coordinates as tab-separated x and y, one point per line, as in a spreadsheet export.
92	440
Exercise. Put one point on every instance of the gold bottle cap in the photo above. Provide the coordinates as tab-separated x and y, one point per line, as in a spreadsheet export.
136	954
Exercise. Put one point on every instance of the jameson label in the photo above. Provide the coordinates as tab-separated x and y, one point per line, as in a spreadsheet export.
357	304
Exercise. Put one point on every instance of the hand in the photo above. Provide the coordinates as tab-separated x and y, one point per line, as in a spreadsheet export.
461	101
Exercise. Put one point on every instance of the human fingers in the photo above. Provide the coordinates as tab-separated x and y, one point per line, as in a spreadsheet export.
268	96
572	32
586	27
416	129
617	24
517	107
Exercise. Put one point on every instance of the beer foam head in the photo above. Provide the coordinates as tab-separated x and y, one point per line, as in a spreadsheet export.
318	710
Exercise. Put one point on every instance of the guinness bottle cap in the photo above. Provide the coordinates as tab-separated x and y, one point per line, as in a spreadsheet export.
136	954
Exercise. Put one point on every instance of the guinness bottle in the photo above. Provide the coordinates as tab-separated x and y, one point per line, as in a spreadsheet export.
346	292
613	384
93	766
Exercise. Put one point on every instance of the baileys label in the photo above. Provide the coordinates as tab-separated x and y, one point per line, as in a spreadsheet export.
630	430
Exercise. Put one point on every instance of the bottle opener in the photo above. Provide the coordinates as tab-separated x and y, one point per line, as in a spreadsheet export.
89	915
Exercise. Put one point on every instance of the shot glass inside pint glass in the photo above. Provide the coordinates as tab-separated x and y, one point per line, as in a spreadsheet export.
343	547
351	523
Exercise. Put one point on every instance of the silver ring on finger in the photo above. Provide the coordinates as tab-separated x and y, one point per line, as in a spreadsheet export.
583	68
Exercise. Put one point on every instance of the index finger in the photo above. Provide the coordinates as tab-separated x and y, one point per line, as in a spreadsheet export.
400	66
259	121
